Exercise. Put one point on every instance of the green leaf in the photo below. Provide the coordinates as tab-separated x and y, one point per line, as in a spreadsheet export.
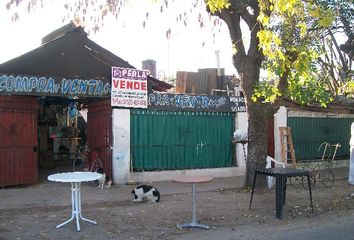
217	5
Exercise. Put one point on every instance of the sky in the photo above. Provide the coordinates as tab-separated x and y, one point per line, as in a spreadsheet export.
188	49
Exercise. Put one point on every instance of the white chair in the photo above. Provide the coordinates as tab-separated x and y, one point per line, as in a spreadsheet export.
269	165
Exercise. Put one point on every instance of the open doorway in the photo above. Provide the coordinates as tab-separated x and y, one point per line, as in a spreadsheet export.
62	130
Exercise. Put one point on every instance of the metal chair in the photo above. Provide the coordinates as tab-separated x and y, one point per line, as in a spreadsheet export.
271	160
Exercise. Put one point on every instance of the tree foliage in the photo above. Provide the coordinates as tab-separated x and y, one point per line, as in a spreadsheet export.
337	61
292	48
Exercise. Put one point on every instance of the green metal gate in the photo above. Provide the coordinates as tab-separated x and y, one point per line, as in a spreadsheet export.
309	133
163	140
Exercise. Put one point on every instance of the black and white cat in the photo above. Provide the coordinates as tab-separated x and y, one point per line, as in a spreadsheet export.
142	192
104	181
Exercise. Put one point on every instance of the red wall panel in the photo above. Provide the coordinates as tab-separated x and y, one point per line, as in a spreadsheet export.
18	140
99	131
270	147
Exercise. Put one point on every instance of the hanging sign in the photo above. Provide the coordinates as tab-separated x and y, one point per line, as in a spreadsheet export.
129	87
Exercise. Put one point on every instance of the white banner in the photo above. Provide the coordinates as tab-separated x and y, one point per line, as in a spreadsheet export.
129	87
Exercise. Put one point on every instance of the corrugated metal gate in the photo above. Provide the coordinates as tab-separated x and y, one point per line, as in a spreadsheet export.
162	140
309	133
18	140
99	131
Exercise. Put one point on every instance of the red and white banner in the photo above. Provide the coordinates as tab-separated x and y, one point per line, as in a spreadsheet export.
129	87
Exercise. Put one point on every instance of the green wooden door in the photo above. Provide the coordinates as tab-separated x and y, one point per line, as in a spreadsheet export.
162	140
309	133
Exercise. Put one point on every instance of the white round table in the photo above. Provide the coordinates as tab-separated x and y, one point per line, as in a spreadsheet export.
75	178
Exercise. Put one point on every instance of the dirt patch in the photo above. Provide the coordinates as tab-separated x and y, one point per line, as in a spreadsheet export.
222	208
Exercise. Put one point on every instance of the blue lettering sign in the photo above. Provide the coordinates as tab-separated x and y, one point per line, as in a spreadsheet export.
2	83
65	86
195	102
31	85
91	85
74	86
82	87
42	85
10	84
50	85
99	89
21	84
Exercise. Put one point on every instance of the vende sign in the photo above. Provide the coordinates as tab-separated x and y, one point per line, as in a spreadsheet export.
129	87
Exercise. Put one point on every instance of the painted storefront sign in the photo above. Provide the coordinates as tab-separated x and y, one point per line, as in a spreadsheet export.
129	87
165	101
135	80
52	86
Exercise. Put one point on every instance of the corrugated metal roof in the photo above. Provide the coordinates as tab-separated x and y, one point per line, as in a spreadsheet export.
71	55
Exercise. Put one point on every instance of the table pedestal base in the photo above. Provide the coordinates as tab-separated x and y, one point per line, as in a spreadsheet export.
76	207
194	223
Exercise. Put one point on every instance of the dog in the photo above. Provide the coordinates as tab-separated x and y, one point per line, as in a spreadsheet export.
104	181
142	192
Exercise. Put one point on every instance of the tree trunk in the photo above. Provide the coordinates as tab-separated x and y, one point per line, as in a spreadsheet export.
259	114
248	64
258	117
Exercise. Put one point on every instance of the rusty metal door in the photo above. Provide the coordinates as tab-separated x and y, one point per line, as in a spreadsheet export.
18	140
99	131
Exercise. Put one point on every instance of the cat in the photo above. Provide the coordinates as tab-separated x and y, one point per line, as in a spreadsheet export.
104	181
142	192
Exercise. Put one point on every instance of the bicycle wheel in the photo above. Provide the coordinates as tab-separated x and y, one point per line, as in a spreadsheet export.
77	164
295	182
327	178
305	184
80	164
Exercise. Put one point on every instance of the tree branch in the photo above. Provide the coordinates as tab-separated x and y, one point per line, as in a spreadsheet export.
341	57
233	21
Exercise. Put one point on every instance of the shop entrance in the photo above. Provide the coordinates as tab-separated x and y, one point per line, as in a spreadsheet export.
41	135
67	125
61	131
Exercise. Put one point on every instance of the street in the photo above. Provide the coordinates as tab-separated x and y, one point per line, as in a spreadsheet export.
329	227
33	211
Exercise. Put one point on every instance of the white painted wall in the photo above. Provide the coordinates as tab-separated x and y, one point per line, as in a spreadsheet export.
351	162
241	122
309	114
280	120
121	145
172	174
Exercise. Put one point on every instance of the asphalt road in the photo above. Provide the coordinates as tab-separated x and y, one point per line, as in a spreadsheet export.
325	227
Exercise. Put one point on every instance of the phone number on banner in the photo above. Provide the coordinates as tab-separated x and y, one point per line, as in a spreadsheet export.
129	103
